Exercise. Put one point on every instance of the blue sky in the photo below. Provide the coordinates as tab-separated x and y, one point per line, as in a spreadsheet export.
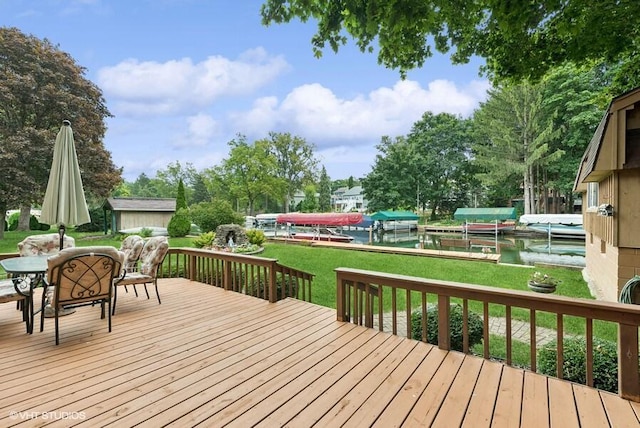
184	77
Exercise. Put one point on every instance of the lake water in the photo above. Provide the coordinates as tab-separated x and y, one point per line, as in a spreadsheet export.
513	249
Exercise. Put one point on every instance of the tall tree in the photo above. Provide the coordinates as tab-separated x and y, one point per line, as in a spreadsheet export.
324	191
200	191
514	134
167	179
517	38
181	200
440	148
40	86
571	97
310	202
390	185
250	171
295	163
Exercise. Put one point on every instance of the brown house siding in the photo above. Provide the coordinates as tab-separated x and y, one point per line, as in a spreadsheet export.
612	160
602	268
628	208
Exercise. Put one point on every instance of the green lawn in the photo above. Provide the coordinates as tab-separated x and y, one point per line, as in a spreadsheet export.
322	261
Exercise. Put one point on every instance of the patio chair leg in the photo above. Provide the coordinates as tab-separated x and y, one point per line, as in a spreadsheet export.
146	291
57	335
112	307
158	294
42	306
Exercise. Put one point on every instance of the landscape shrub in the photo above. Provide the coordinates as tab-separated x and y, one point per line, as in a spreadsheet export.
204	240
13	221
145	232
286	286
96	224
180	224
476	328
574	367
209	215
34	224
256	237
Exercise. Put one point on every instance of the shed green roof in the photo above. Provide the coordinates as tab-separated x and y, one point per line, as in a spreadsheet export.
485	214
394	215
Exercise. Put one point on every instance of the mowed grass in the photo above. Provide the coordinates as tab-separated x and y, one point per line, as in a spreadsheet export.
322	262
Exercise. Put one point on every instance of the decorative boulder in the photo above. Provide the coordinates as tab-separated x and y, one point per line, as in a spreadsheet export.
228	235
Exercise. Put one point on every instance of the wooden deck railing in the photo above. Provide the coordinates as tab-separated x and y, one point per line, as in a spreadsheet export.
255	276
367	298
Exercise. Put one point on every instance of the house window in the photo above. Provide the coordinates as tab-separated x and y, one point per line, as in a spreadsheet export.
592	195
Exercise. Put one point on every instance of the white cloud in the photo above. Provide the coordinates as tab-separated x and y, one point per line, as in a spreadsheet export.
201	128
153	88
316	113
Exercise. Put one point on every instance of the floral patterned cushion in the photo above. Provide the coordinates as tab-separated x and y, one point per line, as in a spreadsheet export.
37	245
153	253
8	292
131	247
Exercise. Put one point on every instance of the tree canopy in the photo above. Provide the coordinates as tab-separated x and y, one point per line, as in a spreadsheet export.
518	39
427	168
40	86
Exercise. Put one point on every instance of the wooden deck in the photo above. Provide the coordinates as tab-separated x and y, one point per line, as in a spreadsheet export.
221	358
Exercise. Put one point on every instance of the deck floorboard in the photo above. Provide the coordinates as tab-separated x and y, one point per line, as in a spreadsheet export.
216	358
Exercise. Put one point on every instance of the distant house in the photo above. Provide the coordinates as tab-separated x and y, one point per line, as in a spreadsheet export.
129	213
609	180
346	200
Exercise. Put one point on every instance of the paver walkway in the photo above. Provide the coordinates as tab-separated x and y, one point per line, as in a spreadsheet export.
519	329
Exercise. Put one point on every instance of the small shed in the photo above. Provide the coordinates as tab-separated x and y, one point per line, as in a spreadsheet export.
129	213
485	214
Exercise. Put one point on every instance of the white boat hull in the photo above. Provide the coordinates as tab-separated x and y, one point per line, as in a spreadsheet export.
558	229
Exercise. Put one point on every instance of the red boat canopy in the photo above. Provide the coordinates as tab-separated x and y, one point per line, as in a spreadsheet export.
324	219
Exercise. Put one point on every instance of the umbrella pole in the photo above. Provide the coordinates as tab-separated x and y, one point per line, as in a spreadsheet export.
61	230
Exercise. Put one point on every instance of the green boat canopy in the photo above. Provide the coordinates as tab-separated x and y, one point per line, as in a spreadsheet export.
394	215
485	214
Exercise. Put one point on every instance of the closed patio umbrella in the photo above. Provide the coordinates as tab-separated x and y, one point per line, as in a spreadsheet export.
64	201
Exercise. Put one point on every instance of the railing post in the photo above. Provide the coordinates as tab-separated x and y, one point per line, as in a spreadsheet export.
628	381
444	335
226	278
340	298
192	268
273	297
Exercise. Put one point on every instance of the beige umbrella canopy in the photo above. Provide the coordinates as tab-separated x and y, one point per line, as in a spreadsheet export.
64	201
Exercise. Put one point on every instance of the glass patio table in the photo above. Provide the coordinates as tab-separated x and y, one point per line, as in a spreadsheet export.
27	273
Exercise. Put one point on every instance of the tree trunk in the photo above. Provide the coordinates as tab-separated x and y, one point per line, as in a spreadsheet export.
3	218
529	194
25	216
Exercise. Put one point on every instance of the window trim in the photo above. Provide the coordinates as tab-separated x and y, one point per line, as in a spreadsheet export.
592	196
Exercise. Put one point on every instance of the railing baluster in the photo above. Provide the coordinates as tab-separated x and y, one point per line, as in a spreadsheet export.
508	334
425	317
559	345
532	339
394	311
407	309
465	326
485	332
589	339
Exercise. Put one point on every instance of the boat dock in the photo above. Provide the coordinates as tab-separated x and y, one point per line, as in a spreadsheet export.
459	255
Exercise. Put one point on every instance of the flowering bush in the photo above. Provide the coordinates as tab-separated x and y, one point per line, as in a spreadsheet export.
543	278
